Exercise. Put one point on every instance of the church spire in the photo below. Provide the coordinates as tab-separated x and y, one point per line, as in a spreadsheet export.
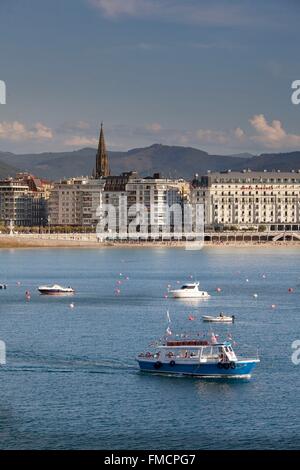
102	164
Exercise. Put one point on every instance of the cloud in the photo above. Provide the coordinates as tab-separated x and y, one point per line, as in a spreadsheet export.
209	136
115	8
40	131
239	133
272	135
81	141
267	136
154	127
220	12
73	126
261	136
17	131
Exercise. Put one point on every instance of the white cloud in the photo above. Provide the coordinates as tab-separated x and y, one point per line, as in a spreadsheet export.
263	136
81	141
17	131
71	126
40	131
208	136
267	136
114	8
221	12
154	127
239	133
273	135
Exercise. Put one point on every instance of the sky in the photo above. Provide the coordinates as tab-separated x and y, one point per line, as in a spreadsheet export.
211	74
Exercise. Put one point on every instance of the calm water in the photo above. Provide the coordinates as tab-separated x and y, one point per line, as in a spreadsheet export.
71	380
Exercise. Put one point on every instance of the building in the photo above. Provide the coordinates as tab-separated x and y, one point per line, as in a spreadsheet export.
157	195
75	202
248	199
102	169
23	200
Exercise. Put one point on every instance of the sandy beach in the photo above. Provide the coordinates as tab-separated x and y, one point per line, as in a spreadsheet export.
36	242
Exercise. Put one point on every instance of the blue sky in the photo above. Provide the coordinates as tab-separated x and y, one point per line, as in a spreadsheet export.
215	75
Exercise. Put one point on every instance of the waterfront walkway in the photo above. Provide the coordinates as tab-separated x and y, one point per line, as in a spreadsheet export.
90	240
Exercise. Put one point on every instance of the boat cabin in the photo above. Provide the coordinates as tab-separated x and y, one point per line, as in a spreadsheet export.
200	351
195	351
189	286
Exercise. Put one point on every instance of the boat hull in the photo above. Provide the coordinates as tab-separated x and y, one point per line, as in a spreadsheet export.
242	369
190	295
42	292
217	320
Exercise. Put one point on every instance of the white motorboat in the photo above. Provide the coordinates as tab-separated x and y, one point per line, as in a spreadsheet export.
219	319
190	291
55	290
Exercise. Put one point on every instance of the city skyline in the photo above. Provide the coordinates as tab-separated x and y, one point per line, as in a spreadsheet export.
231	92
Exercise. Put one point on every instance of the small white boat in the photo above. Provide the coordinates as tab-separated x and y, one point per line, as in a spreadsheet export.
190	291
219	319
55	290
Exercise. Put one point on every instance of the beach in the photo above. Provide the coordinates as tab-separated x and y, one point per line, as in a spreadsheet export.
79	241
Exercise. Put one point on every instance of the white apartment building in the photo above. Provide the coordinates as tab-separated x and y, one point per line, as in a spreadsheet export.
156	194
75	201
249	199
22	202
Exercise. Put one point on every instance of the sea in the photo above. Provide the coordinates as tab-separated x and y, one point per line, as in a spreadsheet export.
71	380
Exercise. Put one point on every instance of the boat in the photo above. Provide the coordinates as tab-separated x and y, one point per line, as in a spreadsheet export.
197	358
3	286
189	290
219	319
55	290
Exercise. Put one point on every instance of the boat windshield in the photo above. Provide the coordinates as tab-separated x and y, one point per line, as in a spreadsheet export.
188	287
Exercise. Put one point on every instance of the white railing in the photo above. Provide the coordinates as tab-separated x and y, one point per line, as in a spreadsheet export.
54	236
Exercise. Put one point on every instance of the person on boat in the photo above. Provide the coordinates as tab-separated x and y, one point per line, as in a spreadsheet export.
221	314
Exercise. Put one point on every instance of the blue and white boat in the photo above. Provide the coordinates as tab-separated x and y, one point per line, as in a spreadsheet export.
197	358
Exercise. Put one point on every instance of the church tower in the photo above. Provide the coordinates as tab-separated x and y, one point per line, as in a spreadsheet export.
102	164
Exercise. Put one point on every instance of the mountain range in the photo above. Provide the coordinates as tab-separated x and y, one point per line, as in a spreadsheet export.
170	161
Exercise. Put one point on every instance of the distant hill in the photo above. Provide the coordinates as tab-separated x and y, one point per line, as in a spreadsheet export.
172	161
6	169
169	160
274	161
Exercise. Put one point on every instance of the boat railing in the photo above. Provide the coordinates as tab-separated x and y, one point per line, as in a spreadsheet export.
149	355
187	343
